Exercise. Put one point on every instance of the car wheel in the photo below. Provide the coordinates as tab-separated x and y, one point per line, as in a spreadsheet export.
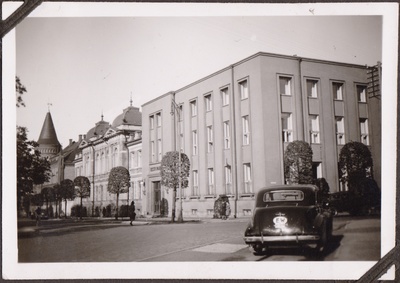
257	249
323	238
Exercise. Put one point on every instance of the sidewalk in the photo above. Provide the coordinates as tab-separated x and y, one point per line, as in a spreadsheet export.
28	228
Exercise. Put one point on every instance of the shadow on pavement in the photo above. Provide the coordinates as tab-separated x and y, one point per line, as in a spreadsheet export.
308	252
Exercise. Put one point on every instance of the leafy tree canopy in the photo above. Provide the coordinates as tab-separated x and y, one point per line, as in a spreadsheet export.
19	89
170	170
118	180
82	186
298	163
355	163
67	189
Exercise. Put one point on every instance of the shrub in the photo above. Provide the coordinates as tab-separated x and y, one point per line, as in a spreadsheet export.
123	211
97	211
76	211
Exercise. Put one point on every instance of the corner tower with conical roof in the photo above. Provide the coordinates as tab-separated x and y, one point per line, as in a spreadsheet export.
48	142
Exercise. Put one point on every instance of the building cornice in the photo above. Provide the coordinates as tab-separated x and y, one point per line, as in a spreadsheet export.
259	54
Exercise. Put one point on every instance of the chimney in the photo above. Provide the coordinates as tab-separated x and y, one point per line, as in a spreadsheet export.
70	141
80	137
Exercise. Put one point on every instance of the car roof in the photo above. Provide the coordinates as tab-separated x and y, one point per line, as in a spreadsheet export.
289	187
307	189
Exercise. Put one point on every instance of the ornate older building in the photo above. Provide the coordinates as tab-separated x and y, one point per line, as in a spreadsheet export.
104	147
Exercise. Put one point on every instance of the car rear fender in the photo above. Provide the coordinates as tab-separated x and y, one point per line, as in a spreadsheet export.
319	220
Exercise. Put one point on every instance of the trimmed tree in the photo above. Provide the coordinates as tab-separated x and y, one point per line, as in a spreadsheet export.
82	189
170	174
67	192
118	182
297	162
57	199
355	165
47	195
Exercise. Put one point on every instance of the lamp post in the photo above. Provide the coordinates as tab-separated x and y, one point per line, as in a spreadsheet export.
175	108
93	169
127	135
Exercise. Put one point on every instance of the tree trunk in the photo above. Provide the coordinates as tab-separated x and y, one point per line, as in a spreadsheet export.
80	211
173	205
65	209
116	213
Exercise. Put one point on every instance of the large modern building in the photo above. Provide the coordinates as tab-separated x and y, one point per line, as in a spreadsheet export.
235	124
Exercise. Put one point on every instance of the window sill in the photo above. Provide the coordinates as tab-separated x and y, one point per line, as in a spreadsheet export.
209	196
194	197
247	195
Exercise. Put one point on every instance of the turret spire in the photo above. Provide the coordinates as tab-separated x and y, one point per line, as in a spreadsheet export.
48	142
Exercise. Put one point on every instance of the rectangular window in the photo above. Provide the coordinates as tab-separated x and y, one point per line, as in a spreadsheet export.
159	149
152	152
210	145
210	181
195	191
193	107
248	188
317	170
158	119
225	96
314	126
246	130
312	88
285	87
362	93
337	89
364	131
133	160
228	180
194	142
287	130
227	135
139	156
244	89
208	102
340	137
151	122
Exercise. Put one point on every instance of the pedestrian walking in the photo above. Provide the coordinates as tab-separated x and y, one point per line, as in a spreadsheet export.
38	214
132	213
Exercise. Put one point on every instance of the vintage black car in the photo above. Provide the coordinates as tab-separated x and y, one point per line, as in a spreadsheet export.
289	214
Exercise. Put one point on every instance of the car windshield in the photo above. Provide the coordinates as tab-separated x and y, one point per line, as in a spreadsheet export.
283	195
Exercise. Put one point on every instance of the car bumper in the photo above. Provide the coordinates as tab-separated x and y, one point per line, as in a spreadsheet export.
287	238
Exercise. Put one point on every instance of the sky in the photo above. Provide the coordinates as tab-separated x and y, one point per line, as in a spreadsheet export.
91	66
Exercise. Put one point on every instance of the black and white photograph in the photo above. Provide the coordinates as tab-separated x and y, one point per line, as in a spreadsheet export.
199	140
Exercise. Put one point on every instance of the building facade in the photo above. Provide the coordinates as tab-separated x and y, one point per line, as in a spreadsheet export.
61	159
235	124
104	147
